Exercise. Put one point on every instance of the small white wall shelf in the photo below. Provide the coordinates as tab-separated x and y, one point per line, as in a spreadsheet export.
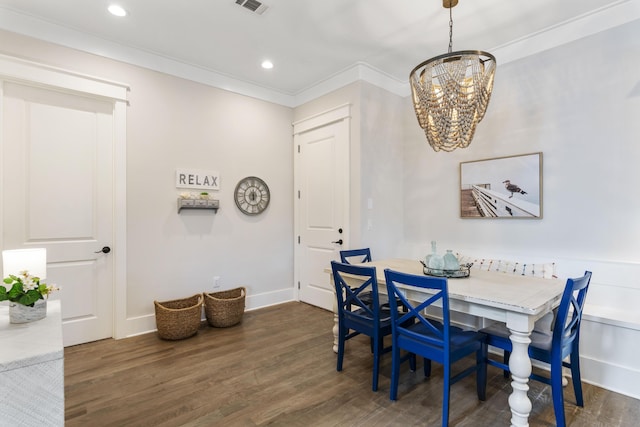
198	204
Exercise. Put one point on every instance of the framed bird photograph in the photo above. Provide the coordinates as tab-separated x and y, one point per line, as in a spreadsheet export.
502	187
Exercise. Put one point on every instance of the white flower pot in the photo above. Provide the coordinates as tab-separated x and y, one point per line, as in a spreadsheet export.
19	313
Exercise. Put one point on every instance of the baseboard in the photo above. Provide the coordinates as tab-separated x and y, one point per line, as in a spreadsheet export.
140	325
147	323
616	378
266	299
619	379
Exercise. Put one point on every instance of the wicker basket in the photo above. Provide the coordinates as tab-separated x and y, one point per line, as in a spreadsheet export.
178	319
225	308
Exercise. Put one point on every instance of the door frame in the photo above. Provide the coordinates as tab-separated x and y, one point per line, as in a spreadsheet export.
36	74
338	113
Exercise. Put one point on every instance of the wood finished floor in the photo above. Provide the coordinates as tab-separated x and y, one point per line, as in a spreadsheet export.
277	368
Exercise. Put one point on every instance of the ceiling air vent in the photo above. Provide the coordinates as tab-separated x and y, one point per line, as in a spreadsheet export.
253	6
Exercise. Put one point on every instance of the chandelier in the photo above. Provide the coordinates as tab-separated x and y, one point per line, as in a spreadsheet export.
451	93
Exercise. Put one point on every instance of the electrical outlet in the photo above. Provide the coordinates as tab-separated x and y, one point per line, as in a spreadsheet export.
216	281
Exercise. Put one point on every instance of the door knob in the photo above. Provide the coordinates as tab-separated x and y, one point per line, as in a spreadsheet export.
104	250
338	242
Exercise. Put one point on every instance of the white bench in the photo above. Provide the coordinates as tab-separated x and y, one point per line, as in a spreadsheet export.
610	330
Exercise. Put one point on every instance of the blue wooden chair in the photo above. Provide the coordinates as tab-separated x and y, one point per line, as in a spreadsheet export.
431	339
553	348
356	316
355	256
360	256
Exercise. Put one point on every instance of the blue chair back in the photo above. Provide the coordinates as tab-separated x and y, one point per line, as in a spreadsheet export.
564	342
352	309
359	312
433	340
430	333
360	255
566	331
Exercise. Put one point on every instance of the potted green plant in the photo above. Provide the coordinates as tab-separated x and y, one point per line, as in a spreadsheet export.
27	295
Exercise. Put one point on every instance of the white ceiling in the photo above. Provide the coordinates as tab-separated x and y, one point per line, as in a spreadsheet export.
309	41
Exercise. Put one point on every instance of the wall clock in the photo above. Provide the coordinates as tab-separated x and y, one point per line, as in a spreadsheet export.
252	195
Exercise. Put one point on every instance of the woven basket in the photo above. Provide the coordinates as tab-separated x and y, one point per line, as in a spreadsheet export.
178	319
225	308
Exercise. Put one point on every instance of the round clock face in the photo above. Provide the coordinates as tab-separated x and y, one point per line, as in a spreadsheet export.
252	195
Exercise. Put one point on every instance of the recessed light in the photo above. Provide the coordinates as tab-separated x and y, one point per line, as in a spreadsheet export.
267	65
117	10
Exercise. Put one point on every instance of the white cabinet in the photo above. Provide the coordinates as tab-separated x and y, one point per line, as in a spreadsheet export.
32	370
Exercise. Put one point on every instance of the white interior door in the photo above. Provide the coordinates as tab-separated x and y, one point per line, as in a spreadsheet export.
322	181
57	193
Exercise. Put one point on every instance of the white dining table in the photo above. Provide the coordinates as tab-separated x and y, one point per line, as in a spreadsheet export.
513	299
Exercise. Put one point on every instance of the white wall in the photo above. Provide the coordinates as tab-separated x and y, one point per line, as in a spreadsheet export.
578	104
382	204
184	124
174	123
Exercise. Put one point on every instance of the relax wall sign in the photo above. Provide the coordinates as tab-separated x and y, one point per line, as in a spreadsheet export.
191	178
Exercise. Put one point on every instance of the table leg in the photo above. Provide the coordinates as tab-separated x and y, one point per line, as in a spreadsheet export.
520	367
335	320
335	332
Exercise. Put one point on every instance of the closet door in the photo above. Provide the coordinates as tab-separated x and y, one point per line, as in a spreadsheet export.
57	193
322	202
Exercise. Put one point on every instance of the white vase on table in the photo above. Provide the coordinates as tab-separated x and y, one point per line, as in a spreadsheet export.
435	262
450	261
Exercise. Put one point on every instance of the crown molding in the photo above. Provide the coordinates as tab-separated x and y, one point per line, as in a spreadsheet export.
357	72
602	19
52	33
605	18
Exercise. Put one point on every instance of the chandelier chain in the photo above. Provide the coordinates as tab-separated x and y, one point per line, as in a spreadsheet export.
450	30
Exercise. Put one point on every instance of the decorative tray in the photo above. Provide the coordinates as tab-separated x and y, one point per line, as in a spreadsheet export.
463	271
